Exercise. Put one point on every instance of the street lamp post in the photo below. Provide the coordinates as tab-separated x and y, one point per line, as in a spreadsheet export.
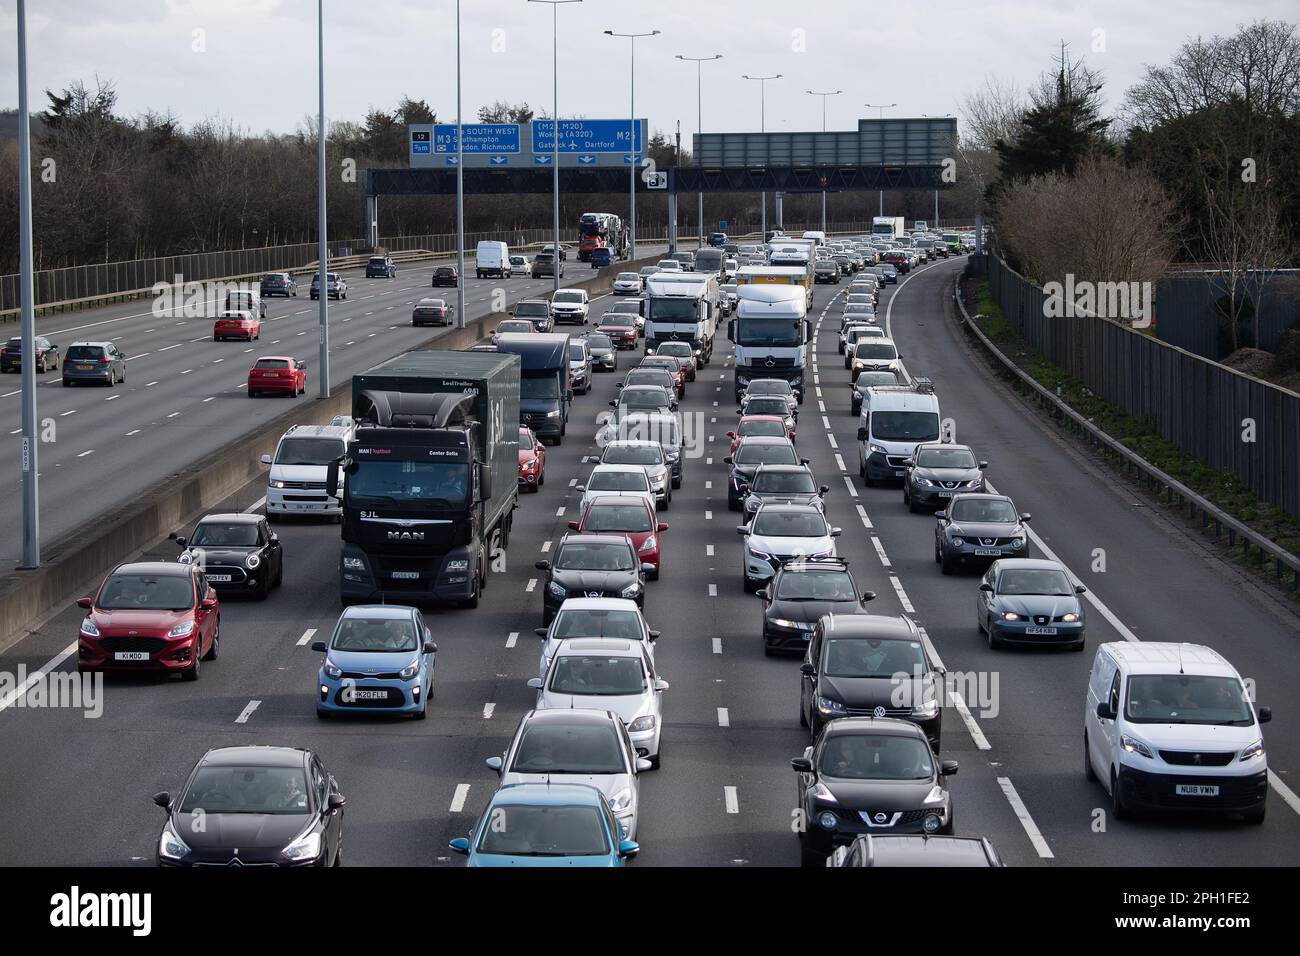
460	192
882	108
321	213
636	156
823	96
699	110
762	124
27	317
555	137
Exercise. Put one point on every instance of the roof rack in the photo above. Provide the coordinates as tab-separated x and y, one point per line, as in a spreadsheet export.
809	559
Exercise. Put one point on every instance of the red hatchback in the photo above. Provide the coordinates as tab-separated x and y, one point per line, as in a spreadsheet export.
277	373
628	516
153	616
621	329
532	460
236	325
750	425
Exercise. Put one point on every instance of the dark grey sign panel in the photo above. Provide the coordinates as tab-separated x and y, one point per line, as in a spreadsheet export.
891	142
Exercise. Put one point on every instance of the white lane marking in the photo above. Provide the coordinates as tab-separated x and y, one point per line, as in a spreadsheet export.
199	339
168	348
173	414
724	719
150	384
848	481
708	550
708	516
112	398
821	406
512	638
902	595
880	551
839	462
977	735
255	505
831	438
307	635
458	798
134	431
862	513
708	461
531	586
708	485
826	423
559	511
717	645
546	546
247	711
210	398
573	482
217	361
713	590
72	411
488	710
85	453
37	675
731	800
1026	821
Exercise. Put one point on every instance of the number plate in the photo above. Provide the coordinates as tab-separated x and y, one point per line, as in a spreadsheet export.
1196	790
1040	630
85	368
370	694
131	656
220	578
988	552
406	575
946	494
898	474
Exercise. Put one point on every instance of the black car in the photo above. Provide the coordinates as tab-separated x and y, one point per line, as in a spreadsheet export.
800	592
238	552
937	472
870	665
444	275
603	354
46	354
592	565
254	806
978	529
869	775
783	484
278	283
911	850
750	453
536	311
826	270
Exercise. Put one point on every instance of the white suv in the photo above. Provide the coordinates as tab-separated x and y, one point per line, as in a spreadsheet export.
1172	727
570	305
296	482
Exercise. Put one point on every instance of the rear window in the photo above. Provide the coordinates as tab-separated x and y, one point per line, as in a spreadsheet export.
532	308
82	351
271	363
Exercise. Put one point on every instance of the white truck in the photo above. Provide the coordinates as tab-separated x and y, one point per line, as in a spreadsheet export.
682	307
889	227
772	334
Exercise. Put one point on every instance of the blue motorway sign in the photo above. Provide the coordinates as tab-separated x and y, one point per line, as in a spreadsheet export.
493	138
588	136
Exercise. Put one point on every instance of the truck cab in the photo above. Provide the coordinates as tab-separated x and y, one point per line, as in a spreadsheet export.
682	307
771	332
545	383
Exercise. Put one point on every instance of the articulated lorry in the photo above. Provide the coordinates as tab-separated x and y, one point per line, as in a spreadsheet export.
888	227
600	230
772	335
682	307
431	476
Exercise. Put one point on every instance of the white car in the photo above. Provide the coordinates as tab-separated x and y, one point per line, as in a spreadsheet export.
520	266
780	532
648	455
583	746
1172	727
570	305
668	265
627	283
624	481
852	332
605	674
594	617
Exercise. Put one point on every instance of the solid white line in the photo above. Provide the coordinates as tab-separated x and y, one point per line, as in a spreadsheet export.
488	710
717	645
902	595
880	551
531	586
150	384
1026	821
512	639
458	798
848	481
729	796
306	637
862	513
247	711
713	590
255	505
723	719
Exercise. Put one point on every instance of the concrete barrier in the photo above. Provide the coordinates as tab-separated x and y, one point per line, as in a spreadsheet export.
76	567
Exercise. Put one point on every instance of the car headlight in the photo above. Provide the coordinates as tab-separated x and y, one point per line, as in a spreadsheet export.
631	590
553	413
829	552
171	846
1254	750
1009	616
1134	746
529	465
831	707
761	555
186	557
277	484
460	564
672	456
181	629
353	564
649	544
797	625
556	590
641	724
252	561
1069	618
410	670
876	450
926	709
935	795
89	629
827	820
923	482
331	669
306	847
621	801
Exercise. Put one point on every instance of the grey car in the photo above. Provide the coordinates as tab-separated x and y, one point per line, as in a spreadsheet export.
100	362
604	356
978	528
1030	602
783	484
866	380
937	472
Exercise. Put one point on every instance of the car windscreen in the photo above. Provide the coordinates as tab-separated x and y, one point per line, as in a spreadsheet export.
616	320
520	326
640	428
876	757
571	297
864	657
583	748
670	309
789	524
543	831
596	622
655	399
222	534
525	440
630	518
309	451
576	352
945	458
763	331
442	484
816	586
1036	581
1187	699
270	790
770	429
593	556
768	387
766	405
597	676
146	592
663	379
374	636
633	455
992	510
877	350
765	454
598	341
676	349
618	481
627	277
904	426
783	482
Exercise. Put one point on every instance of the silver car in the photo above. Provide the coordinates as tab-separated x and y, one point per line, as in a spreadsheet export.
780	532
588	747
594	617
650	456
607	674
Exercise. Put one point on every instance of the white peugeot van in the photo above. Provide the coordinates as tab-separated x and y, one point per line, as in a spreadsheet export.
1172	727
492	258
895	419
296	482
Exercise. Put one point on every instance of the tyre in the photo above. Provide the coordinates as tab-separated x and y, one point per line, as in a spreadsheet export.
263	589
994	641
191	673
668	500
1118	808
423	712
810	857
1088	773
945	562
749	584
803	718
215	649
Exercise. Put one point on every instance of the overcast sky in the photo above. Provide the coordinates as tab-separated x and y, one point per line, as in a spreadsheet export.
254	61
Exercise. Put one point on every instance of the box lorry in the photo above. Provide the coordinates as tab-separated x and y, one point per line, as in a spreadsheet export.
771	332
682	307
888	227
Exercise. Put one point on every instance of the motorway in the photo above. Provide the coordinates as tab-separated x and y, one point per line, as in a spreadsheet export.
725	795
184	395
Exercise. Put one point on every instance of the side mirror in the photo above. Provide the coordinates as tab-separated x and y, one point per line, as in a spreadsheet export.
494	763
986	587
540	631
728	461
612	403
862	434
662	526
535	683
948	767
1079	589
1025	516
1104	711
642	765
742	529
1265	714
543	565
909	462
983	465
822	489
573	526
484	481
429	648
761	593
207	604
801	765
273	538
941	515
336	801
654	635
459	845
647	567
582	488
731	434
332	479
629	848
661	684
265	459
320	647
180	541
868	596
163	799
807	669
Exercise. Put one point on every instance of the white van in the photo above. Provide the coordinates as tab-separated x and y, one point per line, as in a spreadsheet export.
492	258
815	236
246	300
295	484
1172	727
895	419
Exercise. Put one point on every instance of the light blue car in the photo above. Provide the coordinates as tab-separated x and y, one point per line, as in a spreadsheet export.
379	659
538	824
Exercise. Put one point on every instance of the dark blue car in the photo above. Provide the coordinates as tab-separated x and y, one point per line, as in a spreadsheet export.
602	256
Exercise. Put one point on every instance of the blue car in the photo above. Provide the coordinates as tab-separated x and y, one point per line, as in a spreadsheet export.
538	824
379	659
602	256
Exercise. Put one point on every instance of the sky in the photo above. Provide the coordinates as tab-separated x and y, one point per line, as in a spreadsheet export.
254	62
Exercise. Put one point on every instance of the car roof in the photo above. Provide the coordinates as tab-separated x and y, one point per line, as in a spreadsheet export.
762	418
790	507
599	604
315	431
1160	657
281	358
378	612
925	849
600	647
885	627
546	794
637	442
257	755
766	440
578	537
237	517
157	568
1029	564
75	344
891	726
784	468
569	715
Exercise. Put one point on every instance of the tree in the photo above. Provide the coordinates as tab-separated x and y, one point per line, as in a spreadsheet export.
503	112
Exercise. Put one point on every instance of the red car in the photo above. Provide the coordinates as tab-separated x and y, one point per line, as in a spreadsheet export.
632	517
897	260
277	373
621	329
532	460
673	365
237	325
750	425
153	616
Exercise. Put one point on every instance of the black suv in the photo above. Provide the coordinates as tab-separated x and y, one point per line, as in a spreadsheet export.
536	311
237	551
750	453
937	472
593	565
444	275
800	592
